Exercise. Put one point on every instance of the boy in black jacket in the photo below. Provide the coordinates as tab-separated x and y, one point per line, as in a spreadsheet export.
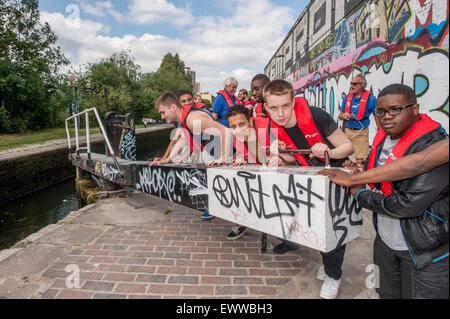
411	215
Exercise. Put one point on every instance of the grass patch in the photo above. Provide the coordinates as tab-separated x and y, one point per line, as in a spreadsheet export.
9	141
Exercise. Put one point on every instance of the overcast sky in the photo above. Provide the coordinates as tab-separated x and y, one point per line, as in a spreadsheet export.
216	38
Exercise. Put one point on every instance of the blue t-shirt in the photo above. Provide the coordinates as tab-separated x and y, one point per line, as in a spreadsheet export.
370	109
220	107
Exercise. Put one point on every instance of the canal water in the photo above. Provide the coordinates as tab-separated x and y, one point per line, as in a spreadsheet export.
28	214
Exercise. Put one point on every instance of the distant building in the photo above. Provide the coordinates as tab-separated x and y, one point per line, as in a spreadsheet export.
197	88
396	41
193	76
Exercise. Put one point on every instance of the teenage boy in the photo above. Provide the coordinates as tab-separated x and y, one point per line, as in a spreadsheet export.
246	146
242	96
257	85
411	215
197	98
194	120
186	99
297	126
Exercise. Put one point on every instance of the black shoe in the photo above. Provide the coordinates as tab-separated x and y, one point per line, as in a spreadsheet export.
284	247
236	232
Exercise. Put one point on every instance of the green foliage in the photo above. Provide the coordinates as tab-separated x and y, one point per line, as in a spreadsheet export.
171	76
129	90
36	96
118	74
207	103
5	122
29	61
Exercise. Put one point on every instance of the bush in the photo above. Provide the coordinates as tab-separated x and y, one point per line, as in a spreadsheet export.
5	123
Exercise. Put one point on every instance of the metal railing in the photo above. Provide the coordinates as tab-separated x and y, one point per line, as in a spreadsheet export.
88	134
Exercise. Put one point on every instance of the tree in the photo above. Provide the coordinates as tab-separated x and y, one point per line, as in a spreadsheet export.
29	64
119	74
129	90
171	76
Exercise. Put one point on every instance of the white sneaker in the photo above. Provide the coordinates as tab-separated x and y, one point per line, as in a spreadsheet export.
330	288
320	274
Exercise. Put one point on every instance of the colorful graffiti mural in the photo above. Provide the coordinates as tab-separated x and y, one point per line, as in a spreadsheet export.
395	41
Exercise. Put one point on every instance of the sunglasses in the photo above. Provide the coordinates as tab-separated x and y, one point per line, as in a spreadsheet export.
355	83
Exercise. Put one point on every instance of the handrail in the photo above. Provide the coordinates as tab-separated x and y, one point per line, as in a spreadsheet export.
88	134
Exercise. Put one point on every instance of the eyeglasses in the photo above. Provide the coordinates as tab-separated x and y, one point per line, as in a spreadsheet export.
355	83
393	111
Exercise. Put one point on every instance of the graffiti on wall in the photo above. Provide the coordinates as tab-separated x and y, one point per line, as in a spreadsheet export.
294	204
128	144
395	41
185	185
328	90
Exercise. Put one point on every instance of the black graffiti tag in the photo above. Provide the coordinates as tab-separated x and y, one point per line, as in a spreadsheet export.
291	197
223	190
336	209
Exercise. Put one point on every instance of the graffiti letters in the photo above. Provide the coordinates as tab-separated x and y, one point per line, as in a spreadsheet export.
109	173
180	185
128	147
340	201
157	181
294	204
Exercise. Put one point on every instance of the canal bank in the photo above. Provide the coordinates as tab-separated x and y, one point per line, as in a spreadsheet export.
29	169
141	246
43	204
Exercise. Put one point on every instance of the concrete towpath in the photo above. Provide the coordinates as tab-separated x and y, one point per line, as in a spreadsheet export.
143	247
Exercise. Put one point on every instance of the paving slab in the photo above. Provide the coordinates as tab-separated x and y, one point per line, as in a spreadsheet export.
141	247
30	261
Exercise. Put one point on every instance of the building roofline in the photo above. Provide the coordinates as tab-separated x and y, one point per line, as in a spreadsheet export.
290	31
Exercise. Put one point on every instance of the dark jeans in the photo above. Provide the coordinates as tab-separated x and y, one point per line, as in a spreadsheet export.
332	261
399	278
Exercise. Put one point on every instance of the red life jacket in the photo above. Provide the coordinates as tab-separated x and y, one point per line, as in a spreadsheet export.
261	124
362	105
196	149
227	97
259	110
305	123
199	105
420	128
250	102
243	150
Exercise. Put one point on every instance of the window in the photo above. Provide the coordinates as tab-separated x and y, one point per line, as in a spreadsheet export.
319	17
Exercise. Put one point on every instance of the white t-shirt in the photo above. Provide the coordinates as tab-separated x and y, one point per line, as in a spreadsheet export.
389	227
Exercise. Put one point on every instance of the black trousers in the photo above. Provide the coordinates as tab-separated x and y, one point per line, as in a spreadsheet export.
400	279
332	261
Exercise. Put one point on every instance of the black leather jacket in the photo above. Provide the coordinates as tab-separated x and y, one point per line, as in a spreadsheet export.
421	203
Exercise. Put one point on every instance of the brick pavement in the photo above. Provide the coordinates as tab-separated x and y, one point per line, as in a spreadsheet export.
180	257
